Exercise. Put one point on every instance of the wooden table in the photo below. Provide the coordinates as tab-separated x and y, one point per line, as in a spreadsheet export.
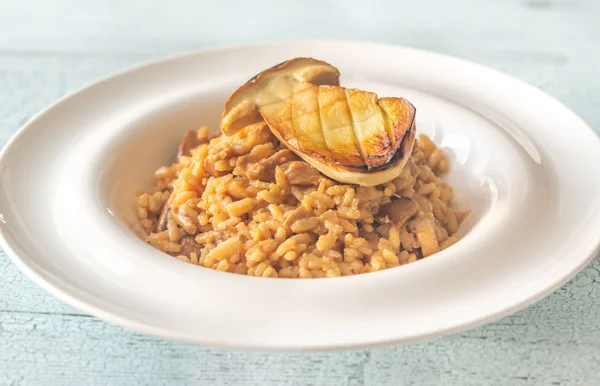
49	48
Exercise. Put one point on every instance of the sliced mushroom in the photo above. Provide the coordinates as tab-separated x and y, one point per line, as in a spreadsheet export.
188	143
301	173
263	170
165	214
400	210
348	135
189	246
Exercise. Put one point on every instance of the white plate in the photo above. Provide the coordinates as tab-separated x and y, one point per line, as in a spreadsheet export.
528	167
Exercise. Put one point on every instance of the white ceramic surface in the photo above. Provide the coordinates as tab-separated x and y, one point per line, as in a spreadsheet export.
528	167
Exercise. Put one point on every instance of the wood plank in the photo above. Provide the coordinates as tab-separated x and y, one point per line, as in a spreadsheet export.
114	26
64	349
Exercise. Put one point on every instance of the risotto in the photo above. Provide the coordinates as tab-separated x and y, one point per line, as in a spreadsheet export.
247	204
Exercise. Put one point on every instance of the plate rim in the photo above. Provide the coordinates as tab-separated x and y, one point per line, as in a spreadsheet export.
76	297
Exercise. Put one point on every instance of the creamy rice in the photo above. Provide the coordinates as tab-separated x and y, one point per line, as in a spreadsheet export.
248	205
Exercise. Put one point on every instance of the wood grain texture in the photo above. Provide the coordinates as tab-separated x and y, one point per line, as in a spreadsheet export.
53	47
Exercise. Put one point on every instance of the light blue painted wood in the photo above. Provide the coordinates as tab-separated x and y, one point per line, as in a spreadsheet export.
50	48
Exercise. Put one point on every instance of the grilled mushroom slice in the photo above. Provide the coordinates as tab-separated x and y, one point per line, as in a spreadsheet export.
349	135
